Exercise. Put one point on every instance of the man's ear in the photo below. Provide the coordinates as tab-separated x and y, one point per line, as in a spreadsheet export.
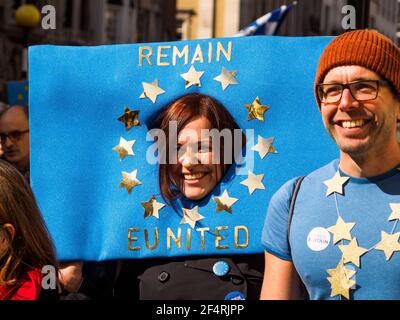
398	108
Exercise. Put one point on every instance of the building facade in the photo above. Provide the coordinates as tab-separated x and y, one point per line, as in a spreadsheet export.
224	18
83	22
384	17
202	19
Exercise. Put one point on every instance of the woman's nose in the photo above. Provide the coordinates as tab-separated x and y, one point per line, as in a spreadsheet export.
188	158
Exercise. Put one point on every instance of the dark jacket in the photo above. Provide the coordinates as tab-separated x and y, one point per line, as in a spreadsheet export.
190	278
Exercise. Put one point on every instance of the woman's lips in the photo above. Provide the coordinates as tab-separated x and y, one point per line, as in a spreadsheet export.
194	178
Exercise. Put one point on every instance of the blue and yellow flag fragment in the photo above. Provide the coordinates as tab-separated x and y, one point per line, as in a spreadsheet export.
18	93
77	95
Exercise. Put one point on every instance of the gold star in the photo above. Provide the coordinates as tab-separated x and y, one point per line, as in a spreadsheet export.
264	146
124	148
395	214
340	280
389	244
191	216
352	252
192	77
335	184
256	110
253	182
226	78
129	181
152	207
151	90
341	231
225	202
130	118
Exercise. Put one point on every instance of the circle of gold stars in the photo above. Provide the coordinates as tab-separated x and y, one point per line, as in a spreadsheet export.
224	202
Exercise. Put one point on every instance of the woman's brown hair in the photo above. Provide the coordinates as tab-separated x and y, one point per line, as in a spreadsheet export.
183	110
31	245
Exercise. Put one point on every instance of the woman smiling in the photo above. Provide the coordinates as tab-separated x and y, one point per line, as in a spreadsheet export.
191	174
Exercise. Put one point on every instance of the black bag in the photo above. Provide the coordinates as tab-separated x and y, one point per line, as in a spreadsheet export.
194	279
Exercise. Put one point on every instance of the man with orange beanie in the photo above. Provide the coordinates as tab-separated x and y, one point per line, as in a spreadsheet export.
337	233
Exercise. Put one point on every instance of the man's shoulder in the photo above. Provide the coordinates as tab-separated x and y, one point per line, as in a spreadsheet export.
320	174
325	172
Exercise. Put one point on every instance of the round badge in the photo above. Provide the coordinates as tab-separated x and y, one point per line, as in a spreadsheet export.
235	295
318	239
221	268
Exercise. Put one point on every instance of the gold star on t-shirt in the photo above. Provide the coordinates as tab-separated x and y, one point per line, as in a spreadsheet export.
152	207
253	182
256	110
341	231
130	118
151	91
352	252
340	280
192	77
395	214
191	216
389	244
124	148
225	202
335	184
226	78
264	146
129	181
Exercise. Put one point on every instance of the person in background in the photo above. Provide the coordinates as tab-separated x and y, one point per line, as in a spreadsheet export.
341	241
3	108
25	244
14	137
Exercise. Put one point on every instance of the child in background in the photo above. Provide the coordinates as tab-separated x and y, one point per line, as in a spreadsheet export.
25	245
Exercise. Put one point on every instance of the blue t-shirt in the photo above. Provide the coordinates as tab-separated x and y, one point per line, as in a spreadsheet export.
365	202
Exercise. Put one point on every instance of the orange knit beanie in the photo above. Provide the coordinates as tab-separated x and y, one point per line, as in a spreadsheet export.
365	48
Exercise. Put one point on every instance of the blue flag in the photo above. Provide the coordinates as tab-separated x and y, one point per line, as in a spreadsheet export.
18	93
78	176
268	24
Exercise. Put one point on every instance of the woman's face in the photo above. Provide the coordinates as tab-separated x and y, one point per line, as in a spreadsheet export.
194	172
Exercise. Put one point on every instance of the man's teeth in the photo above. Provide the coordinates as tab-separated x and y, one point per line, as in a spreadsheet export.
353	124
194	176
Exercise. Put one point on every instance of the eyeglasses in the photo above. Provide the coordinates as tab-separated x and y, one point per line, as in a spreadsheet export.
13	135
362	90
